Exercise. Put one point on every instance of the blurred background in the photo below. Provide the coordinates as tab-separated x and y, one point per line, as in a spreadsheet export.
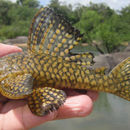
106	28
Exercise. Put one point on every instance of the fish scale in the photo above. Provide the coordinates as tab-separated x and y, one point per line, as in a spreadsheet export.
41	74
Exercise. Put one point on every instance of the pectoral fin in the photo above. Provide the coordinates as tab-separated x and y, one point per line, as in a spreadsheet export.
17	87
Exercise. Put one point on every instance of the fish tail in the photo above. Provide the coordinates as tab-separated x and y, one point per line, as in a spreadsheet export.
120	75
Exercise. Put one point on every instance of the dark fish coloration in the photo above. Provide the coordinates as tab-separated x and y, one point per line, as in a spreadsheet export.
48	66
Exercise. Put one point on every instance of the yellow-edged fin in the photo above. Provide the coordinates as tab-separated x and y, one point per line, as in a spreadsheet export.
51	34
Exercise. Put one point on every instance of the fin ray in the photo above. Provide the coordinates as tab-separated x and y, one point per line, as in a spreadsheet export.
121	76
51	34
45	100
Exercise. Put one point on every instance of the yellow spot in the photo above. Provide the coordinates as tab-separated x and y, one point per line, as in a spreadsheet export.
110	81
37	28
66	51
97	75
57	76
55	70
101	88
47	51
83	63
59	66
60	73
82	73
105	83
59	59
42	19
86	80
72	77
68	35
105	77
53	75
49	46
50	69
51	40
77	72
62	54
68	74
56	49
62	28
90	56
67	58
59	25
64	69
60	37
47	74
110	76
93	82
59	45
87	71
72	57
53	54
100	81
79	79
79	62
49	61
71	70
79	38
106	89
15	88
127	82
54	36
40	24
57	31
71	46
70	42
78	56
76	43
73	66
39	67
64	40
88	63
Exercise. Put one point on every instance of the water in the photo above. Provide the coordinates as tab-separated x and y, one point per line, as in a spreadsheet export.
110	113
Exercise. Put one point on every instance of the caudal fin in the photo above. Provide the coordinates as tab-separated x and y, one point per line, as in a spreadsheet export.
121	77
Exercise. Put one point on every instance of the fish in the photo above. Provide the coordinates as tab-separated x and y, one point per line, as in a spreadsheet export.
48	66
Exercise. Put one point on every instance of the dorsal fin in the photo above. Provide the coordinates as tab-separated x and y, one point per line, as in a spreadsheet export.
51	34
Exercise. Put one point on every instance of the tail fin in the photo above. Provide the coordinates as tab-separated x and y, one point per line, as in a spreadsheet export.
121	77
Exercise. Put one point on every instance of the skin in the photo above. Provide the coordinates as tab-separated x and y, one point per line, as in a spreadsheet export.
15	114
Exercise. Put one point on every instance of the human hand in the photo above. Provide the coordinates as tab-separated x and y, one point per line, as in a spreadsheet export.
15	114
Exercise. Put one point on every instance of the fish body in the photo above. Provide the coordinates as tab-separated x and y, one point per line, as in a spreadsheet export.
47	67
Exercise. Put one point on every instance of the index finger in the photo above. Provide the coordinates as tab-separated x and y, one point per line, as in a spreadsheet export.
7	49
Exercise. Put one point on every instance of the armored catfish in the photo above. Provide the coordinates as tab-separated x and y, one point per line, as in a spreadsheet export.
40	74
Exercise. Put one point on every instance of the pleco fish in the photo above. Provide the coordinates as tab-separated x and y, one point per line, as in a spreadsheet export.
48	66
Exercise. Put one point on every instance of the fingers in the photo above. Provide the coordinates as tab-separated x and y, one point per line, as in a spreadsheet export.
92	94
75	106
7	49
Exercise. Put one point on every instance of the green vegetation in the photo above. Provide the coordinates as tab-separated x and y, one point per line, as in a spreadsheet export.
103	27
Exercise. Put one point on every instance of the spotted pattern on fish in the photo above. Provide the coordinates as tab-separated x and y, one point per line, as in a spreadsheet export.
41	73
